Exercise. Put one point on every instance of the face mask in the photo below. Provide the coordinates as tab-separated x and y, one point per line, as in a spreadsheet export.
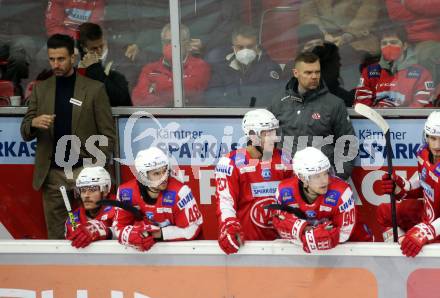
246	56
167	54
391	53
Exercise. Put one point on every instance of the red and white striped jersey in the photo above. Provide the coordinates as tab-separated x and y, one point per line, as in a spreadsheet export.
245	185
176	211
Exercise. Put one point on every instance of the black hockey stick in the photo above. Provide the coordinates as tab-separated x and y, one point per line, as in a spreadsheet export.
136	212
289	209
374	116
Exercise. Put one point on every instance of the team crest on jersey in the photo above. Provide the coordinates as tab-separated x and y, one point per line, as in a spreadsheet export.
126	195
168	198
260	216
266	174
332	197
239	159
310	213
149	215
286	195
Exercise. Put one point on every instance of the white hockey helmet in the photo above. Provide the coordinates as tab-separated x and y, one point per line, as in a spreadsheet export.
91	176
432	124
310	161
150	159
259	120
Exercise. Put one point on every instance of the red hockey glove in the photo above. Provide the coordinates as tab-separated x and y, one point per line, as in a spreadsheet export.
137	236
387	185
289	226
416	237
85	234
231	236
322	237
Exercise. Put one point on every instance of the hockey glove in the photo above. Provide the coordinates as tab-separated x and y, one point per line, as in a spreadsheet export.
322	237
137	236
231	236
416	237
85	234
387	185
288	226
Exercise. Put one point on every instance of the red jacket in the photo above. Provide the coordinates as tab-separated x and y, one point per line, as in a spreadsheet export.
155	83
64	17
421	18
408	87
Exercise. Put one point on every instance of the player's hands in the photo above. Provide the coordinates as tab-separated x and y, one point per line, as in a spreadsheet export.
387	185
137	236
43	121
87	233
132	51
231	236
288	226
416	237
323	237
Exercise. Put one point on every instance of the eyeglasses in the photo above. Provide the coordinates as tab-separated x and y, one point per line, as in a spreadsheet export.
91	188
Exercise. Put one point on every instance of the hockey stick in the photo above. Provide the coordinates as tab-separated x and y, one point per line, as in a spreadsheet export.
68	207
374	116
295	211
136	212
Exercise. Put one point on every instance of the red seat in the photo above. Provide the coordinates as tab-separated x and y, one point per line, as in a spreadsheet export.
278	26
6	90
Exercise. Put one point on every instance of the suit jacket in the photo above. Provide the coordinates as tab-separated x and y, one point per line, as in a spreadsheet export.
93	117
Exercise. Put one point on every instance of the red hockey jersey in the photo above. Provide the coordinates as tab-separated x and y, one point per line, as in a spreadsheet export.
176	211
245	185
408	87
336	206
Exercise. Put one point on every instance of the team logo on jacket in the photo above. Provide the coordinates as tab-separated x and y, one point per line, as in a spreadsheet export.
260	216
266	174
126	195
316	116
286	195
332	197
168	198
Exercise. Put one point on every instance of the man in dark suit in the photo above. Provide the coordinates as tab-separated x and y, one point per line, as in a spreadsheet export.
66	105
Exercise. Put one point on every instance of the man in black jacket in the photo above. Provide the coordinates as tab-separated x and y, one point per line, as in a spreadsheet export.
96	65
309	113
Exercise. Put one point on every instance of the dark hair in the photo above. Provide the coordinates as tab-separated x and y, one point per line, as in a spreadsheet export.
89	31
57	41
396	29
306	57
245	31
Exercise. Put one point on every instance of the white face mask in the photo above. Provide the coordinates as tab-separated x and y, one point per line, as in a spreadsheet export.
246	56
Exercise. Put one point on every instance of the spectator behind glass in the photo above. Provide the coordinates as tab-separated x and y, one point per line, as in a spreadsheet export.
397	80
311	39
96	64
244	73
155	82
422	23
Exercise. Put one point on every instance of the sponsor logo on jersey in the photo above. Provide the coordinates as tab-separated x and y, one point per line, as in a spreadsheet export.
108	208
266	174
164	210
239	159
429	85
325	208
248	169
104	217
224	169
347	204
413	73
423	174
168	198
286	158
310	213
427	190
78	15
374	71
126	195
286	195
437	170
332	197
164	223
183	202
433	176
264	189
